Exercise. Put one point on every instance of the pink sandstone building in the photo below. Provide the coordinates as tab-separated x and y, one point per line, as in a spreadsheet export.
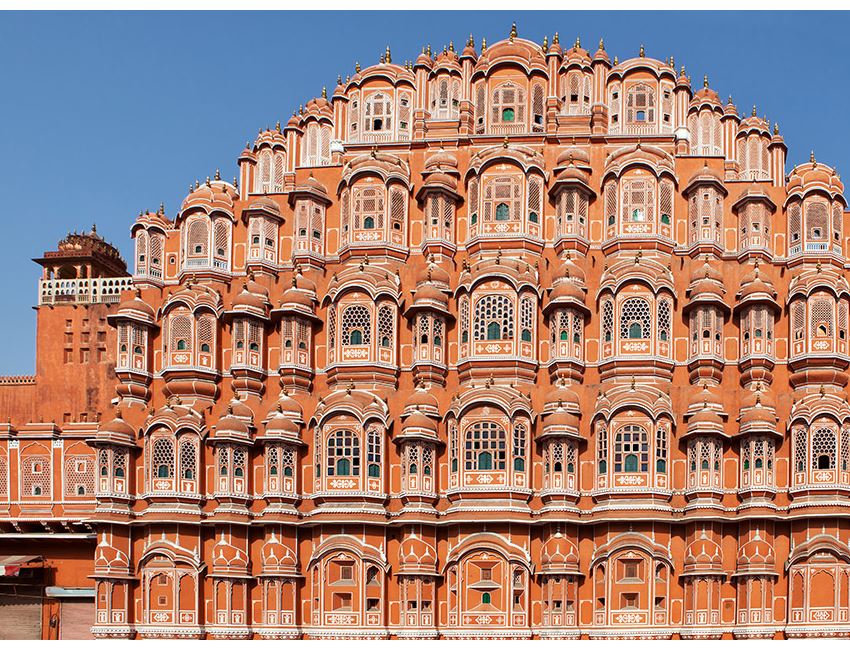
514	341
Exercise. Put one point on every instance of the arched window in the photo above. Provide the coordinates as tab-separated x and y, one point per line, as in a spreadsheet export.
188	459
368	206
631	449
508	105
607	321
485	447
635	319
162	458
519	447
824	449
494	318
502	199
373	452
356	325
198	237
640	105
386	327
638	199
378	113
343	454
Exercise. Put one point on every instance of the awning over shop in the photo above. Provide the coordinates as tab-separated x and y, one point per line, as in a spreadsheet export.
10	565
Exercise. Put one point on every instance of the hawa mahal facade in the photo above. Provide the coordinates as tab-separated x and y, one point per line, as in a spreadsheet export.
518	341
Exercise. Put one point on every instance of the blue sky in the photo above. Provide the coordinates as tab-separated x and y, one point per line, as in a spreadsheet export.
105	114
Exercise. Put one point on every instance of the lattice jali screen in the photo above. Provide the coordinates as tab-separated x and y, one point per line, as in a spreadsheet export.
79	475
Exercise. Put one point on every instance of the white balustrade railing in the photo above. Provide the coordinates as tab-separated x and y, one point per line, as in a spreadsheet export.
82	291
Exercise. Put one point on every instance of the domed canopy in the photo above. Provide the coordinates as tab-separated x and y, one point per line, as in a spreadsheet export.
703	556
117	431
252	300
417	425
265	205
228	560
422	400
278	558
706	287
134	309
756	288
210	197
815	177
756	557
417	557
559	556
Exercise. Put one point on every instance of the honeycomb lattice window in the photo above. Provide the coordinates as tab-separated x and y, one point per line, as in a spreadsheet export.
197	238
640	104
608	321
635	319
821	319
823	449
494	318
206	333
664	310
378	113
485	447
527	312
817	221
508	105
188	459
162	458
800	450
356	325
386	327
638	200
602	449
661	450
502	198
464	318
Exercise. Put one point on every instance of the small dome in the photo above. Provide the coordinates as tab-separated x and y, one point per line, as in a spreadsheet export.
703	554
756	551
424	401
562	396
559	555
416	556
434	274
135	305
569	290
442	159
304	283
231	426
210	196
265	203
427	293
569	270
227	558
755	284
280	424
117	428
561	418
278	559
573	156
420	422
